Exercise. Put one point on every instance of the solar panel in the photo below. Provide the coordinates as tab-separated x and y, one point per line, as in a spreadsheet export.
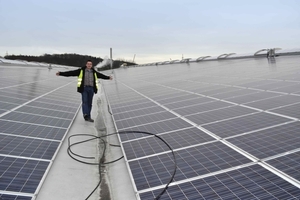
188	102
27	147
45	112
245	124
11	100
145	119
182	97
52	106
270	142
275	102
139	112
35	114
156	127
13	197
191	162
202	107
20	94
253	182
288	164
32	130
173	96
21	175
252	97
52	100
133	107
289	89
230	115
35	119
290	110
219	114
7	106
235	93
176	139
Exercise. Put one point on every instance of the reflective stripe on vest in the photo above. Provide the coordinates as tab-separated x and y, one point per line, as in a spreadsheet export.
96	80
80	79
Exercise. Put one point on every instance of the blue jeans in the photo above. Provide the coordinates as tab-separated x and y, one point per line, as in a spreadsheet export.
87	100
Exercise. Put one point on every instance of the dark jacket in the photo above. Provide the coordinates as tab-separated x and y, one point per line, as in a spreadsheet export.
77	72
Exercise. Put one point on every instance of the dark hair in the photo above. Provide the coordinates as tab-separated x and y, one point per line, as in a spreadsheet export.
89	61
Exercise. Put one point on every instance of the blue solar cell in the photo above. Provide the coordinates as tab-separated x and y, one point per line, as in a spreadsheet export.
235	94
13	197
270	142
7	106
53	106
253	96
258	83
176	139
19	95
289	164
191	162
291	111
35	119
244	124
27	147
146	119
289	89
46	112
220	114
18	128
275	102
132	107
252	182
188	102
164	94
9	99
182	97
121	104
75	103
140	112
21	175
155	128
202	107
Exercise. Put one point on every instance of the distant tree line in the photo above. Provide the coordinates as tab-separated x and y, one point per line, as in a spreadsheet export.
75	60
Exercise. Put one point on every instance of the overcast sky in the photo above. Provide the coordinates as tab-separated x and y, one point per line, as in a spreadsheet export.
154	30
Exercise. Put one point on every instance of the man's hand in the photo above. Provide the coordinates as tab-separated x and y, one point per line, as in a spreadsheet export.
110	78
57	73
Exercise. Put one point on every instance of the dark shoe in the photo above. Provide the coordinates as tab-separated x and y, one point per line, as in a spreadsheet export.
85	117
89	120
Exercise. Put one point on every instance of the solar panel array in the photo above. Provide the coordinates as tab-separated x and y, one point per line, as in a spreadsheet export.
233	124
36	111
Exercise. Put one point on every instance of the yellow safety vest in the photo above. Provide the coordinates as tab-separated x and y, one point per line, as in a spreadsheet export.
80	79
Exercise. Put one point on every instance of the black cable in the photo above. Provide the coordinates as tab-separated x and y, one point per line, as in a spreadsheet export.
114	145
101	162
174	157
100	174
109	109
70	145
72	154
105	163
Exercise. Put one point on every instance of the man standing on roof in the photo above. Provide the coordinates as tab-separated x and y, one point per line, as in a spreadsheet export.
87	85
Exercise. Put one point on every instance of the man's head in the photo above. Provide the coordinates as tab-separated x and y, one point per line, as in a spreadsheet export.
89	64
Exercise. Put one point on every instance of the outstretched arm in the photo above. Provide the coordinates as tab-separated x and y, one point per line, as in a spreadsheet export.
69	73
102	76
